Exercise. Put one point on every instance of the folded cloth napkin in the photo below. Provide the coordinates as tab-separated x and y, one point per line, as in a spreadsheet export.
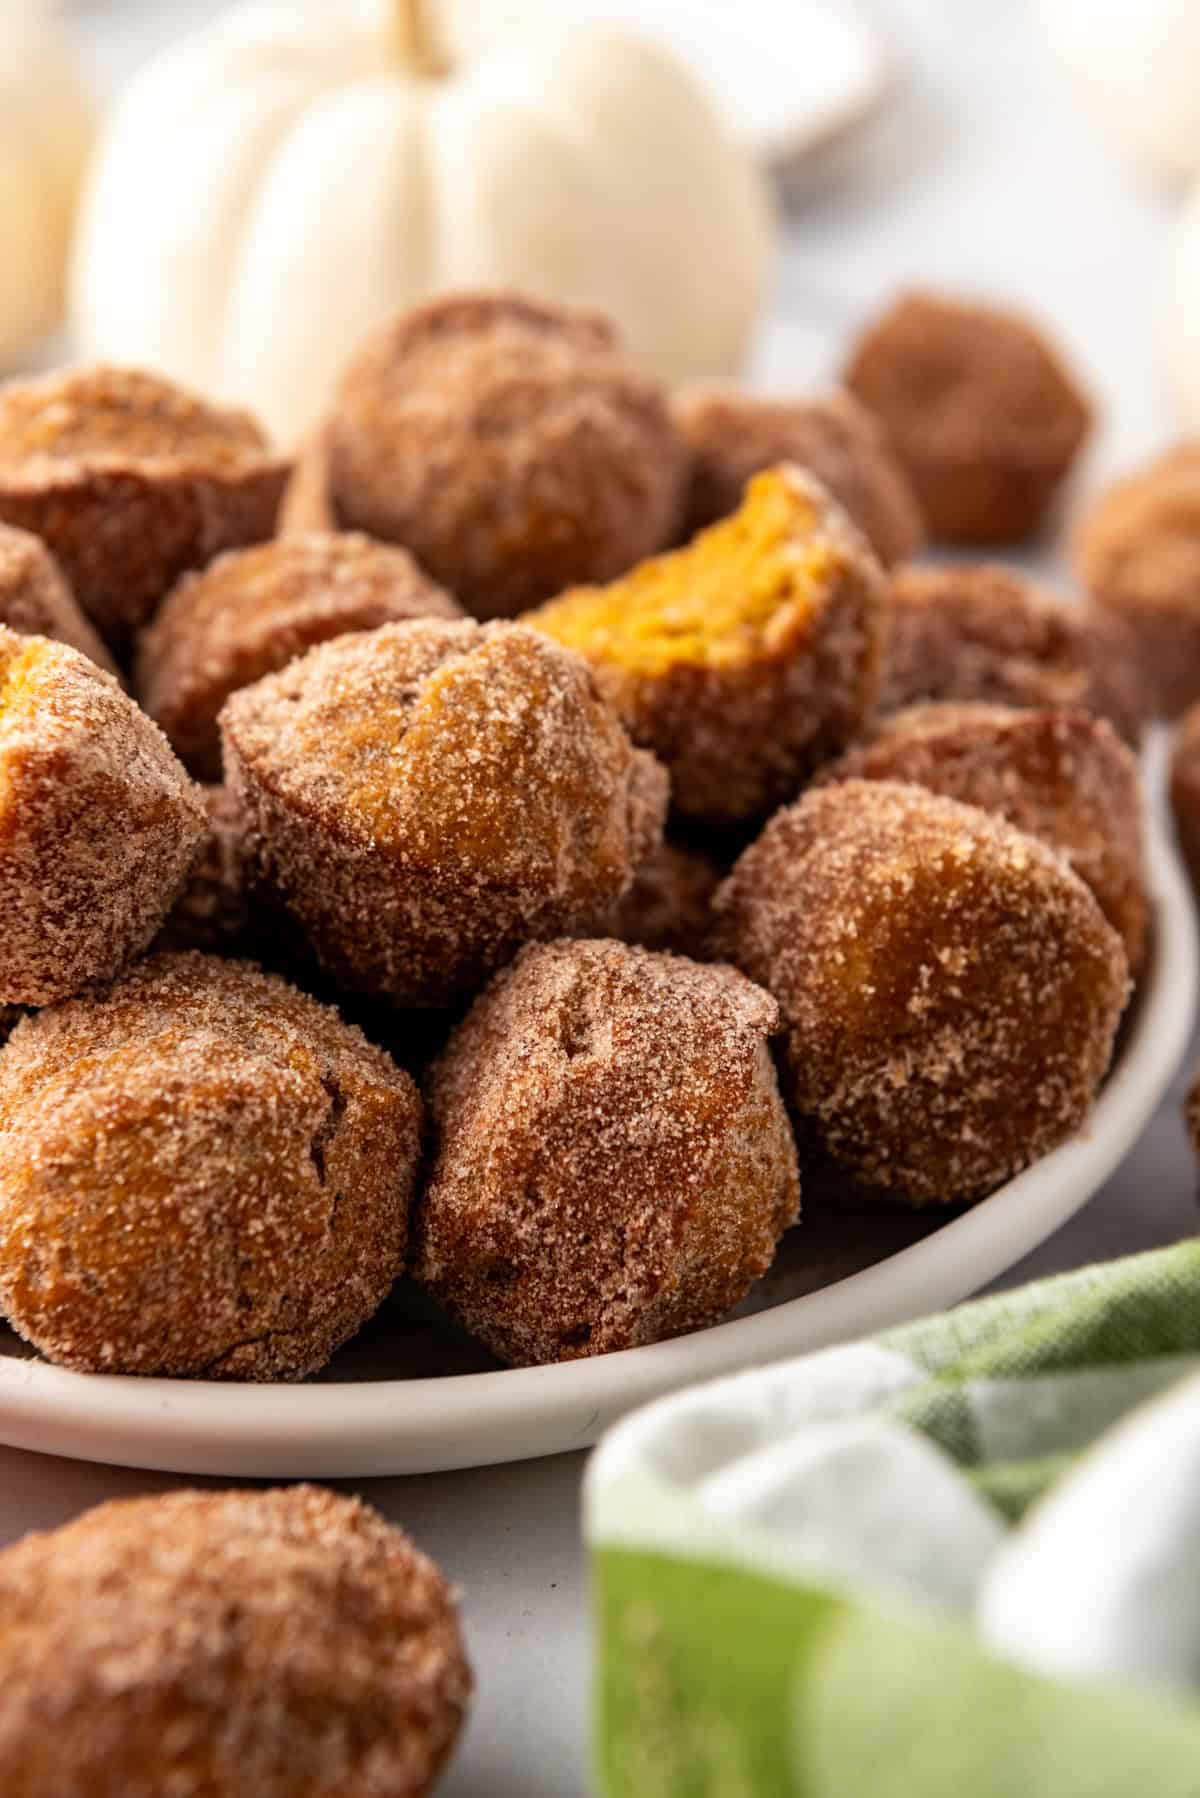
963	1558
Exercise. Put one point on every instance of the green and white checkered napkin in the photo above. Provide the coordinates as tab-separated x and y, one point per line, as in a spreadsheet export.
959	1561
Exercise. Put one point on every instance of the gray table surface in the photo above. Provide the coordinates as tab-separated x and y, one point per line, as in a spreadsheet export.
980	177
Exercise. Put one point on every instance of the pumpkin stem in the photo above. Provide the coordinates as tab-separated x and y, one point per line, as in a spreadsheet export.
417	40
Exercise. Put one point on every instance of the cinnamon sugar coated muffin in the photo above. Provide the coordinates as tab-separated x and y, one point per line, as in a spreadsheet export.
288	1644
949	989
978	407
668	906
131	481
35	600
214	911
203	1172
252	611
1064	777
1137	551
746	658
426	797
979	631
612	1164
733	433
509	444
1185	789
99	824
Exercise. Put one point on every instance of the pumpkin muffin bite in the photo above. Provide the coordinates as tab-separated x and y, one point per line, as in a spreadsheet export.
253	611
1065	777
288	1643
99	824
509	444
980	410
35	600
668	907
980	631
733	433
613	1163
949	989
426	797
1137	551
746	658
131	481
203	1172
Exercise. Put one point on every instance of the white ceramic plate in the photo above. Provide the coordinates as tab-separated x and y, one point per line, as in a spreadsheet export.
412	1395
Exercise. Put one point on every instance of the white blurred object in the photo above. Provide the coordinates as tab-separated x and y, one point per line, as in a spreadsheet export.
1080	1594
270	188
1179	313
792	78
1136	65
45	129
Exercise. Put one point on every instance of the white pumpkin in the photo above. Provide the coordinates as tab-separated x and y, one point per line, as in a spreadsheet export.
45	129
271	188
1136	65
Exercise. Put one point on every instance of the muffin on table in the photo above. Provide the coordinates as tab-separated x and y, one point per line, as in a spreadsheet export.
980	410
289	1644
733	432
509	444
980	631
99	824
424	798
612	1162
252	611
35	600
1137	551
203	1172
949	989
1065	777
131	481
744	659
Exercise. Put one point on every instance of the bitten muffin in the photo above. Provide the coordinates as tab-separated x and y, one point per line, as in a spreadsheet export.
1137	551
289	1644
1185	789
35	600
203	1172
950	990
668	907
1064	777
425	798
746	658
253	611
99	824
131	481
613	1163
980	410
979	631
509	444
733	433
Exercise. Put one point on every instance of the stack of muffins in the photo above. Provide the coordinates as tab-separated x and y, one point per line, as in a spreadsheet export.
578	827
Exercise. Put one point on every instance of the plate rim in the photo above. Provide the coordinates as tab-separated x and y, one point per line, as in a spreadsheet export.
362	1429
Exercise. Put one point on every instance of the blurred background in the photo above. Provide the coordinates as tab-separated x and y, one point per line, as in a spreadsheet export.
984	145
